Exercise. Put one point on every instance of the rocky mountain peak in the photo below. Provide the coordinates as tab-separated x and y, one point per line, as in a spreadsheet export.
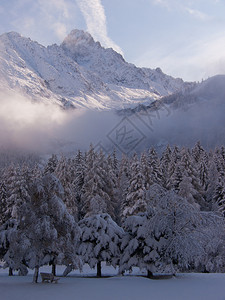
77	38
79	72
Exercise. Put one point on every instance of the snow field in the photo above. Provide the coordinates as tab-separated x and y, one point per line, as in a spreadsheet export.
129	287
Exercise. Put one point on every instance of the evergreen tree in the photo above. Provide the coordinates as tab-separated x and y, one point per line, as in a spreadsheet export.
79	170
112	184
146	170
203	175
176	178
183	232
166	167
46	233
135	199
154	164
198	152
189	185
100	241
8	231
137	250
171	236
51	164
97	183
176	154
3	203
64	173
213	177
109	182
17	191
219	195
123	183
115	163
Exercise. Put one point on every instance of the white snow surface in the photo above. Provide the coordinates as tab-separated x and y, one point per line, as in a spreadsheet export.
79	72
85	286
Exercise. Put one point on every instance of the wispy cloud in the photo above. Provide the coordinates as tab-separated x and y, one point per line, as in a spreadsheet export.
56	13
52	6
163	3
193	61
197	14
188	7
95	18
43	20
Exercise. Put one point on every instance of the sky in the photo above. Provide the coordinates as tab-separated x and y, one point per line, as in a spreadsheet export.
185	38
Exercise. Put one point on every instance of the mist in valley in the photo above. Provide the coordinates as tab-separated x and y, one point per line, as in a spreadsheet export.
38	128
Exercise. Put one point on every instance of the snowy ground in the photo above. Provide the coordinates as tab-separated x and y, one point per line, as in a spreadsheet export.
129	287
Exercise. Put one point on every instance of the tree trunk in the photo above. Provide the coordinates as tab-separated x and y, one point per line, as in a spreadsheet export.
149	274
68	270
99	269
36	271
54	269
10	271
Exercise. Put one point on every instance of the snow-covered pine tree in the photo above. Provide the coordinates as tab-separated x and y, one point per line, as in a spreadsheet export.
137	249
222	152
172	235
115	163
146	170
3	203
51	164
14	193
219	195
176	154
100	241
218	157
165	164
174	169
63	172
112	184
200	161
216	171
36	172
213	176
111	172
97	183
109	180
154	164
182	231
135	199
187	191
17	191
123	183
140	246
46	232
213	243
9	177
197	153
78	171
203	174
8	231
87	181
188	184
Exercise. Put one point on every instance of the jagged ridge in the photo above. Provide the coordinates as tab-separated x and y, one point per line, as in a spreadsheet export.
80	73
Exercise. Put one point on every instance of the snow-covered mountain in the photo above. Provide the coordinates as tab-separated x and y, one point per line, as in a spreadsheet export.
79	73
184	117
209	92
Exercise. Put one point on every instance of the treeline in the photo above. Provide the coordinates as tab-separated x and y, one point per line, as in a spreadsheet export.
158	213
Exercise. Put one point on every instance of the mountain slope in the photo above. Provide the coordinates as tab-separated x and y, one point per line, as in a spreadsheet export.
79	73
185	117
113	69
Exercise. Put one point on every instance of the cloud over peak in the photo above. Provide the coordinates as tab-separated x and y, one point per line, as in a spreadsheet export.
94	15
